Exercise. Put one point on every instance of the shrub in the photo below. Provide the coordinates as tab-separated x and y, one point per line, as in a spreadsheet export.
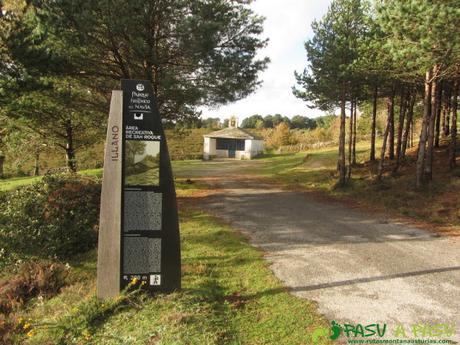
280	136
8	329
40	278
56	217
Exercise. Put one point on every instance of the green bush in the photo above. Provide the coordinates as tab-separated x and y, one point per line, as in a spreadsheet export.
56	217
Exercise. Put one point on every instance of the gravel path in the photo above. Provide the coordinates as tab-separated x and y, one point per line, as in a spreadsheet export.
358	268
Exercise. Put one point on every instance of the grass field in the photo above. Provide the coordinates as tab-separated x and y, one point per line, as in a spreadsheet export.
8	184
229	296
15	182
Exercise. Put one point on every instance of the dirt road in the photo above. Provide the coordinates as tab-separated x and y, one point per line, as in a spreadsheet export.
357	267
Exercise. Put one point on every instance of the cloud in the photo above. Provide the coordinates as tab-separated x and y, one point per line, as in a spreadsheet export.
288	26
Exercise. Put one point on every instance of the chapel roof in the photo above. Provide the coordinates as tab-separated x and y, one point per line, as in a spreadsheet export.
232	133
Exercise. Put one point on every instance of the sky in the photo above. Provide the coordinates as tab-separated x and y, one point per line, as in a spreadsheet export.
287	26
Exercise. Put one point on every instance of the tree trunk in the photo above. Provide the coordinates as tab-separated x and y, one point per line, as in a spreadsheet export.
437	112
37	163
446	109
374	120
430	134
453	131
2	161
412	131
2	157
407	129
420	180
70	150
350	140
391	114
341	161
384	148
354	133
402	115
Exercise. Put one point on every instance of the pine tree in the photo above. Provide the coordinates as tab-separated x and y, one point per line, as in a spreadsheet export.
194	52
329	80
35	90
423	39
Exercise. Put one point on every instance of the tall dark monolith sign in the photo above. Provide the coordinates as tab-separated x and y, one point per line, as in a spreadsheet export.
139	228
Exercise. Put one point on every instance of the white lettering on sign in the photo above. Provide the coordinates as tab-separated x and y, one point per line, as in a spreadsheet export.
133	132
140	101
139	94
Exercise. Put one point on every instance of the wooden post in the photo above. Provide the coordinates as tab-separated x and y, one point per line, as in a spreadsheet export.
108	258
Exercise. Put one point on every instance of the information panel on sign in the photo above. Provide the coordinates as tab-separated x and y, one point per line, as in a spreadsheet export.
150	244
